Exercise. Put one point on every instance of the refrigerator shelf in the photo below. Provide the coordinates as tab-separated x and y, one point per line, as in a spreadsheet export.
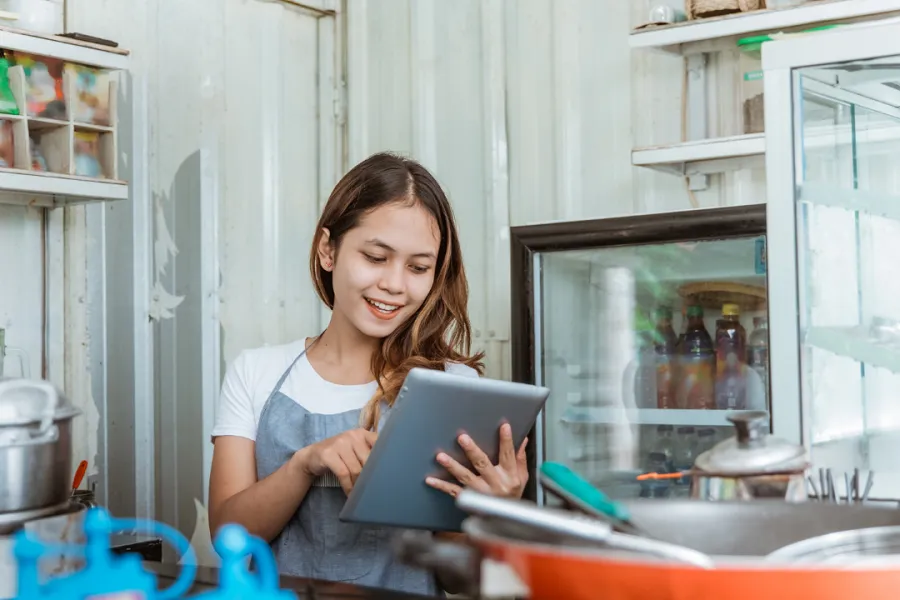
647	416
854	342
878	205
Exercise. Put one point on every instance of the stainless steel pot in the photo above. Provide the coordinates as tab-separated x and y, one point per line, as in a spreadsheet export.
757	528
35	445
859	547
751	465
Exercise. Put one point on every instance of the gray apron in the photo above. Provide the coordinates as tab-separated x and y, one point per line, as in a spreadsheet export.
314	543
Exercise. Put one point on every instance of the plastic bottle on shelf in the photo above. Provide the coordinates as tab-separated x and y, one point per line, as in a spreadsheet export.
656	488
685	454
731	353
645	373
697	364
665	444
665	345
758	358
706	439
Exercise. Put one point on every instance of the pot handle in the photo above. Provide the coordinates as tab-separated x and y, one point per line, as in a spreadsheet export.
47	390
457	565
22	359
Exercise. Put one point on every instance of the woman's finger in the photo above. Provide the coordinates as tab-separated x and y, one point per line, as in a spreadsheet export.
462	474
479	460
507	449
445	486
522	459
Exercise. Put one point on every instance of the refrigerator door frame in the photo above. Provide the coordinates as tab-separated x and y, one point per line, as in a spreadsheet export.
528	242
781	60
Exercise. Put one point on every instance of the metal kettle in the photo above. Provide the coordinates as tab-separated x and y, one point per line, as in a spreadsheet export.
751	465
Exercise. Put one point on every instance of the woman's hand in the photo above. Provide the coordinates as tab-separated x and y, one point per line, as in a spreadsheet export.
506	479
344	455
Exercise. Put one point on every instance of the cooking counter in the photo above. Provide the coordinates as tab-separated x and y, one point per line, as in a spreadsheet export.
306	589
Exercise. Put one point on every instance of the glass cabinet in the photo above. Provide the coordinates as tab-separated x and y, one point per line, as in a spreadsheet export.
833	141
650	331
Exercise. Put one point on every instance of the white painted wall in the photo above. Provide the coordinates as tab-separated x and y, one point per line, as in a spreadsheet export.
575	101
527	111
234	176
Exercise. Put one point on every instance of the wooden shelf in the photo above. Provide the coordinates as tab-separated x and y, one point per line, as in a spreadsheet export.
74	51
705	156
62	143
34	188
648	416
720	155
708	35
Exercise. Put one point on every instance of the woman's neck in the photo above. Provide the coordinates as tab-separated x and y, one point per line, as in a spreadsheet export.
342	354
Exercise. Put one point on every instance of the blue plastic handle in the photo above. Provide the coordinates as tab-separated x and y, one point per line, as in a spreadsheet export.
582	490
185	579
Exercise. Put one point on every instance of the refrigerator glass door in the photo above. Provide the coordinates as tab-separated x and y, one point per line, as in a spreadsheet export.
834	230
848	243
647	350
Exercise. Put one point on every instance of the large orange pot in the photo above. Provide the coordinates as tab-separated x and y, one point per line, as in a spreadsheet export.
738	536
555	573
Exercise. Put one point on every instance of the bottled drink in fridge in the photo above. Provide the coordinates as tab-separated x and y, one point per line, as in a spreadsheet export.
731	352
758	356
665	445
656	488
697	364
645	371
666	342
685	454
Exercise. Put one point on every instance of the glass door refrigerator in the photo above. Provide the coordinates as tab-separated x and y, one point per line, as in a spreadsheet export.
832	104
650	332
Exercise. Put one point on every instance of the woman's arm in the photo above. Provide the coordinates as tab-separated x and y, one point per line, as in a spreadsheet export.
235	496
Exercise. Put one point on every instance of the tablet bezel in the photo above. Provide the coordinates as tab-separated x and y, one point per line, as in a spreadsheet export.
436	399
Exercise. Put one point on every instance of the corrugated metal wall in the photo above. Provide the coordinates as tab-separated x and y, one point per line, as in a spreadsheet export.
527	111
231	100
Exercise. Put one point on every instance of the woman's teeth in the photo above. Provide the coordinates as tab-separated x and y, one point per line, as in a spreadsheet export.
382	307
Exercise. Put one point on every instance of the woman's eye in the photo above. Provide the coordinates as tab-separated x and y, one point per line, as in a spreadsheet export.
419	269
374	259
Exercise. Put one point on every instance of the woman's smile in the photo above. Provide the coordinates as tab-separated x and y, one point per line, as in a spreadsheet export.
383	310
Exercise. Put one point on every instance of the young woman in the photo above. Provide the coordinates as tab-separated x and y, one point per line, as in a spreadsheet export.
296	422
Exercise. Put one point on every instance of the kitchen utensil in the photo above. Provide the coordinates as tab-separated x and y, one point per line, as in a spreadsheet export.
738	535
870	481
79	475
559	524
21	355
35	445
580	494
751	465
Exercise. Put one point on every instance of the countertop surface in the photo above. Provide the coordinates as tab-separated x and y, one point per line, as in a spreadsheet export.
306	589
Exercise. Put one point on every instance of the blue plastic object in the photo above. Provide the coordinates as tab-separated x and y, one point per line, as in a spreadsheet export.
108	576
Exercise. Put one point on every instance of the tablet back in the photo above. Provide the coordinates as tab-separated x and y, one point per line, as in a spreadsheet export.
431	410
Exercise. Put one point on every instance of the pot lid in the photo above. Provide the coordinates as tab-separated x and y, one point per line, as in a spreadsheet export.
752	450
27	402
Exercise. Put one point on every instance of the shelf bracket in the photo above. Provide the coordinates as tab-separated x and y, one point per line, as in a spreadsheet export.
696	101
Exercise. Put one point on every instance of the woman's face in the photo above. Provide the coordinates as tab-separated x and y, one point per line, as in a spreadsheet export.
384	267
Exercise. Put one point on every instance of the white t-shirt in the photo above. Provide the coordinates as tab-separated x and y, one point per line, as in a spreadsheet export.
252	376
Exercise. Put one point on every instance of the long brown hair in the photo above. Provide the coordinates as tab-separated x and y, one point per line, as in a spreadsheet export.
439	332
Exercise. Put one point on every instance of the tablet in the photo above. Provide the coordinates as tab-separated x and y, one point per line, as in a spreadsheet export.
432	409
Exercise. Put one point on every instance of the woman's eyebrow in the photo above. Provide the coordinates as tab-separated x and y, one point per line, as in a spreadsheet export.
389	248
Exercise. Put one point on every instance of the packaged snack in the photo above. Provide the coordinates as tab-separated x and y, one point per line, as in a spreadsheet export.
7	146
38	162
90	94
43	85
87	154
7	100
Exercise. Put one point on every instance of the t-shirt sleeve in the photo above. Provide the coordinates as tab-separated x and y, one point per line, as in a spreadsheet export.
234	413
460	369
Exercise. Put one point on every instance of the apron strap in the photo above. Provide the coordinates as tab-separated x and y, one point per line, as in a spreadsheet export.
291	368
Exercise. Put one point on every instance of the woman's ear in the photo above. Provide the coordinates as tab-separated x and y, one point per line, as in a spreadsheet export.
325	250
